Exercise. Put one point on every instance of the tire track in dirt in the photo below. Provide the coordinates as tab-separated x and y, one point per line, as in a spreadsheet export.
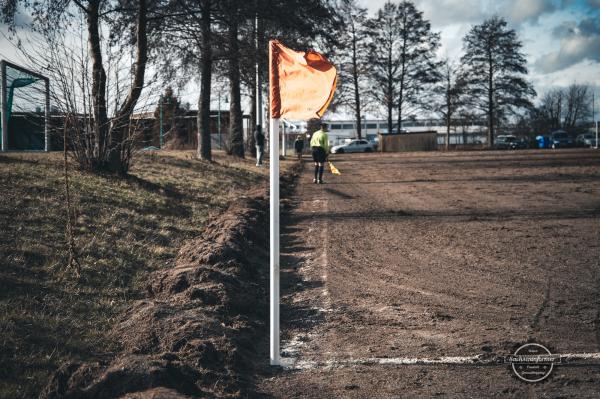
433	255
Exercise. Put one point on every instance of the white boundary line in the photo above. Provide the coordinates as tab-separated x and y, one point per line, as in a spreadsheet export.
573	359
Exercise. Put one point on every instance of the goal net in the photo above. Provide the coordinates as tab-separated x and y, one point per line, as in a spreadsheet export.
24	111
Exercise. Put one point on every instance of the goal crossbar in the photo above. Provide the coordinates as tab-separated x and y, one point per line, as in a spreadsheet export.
5	103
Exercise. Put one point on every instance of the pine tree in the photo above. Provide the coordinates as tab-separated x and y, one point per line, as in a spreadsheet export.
495	69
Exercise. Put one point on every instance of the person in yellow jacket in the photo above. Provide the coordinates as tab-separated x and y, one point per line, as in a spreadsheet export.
319	144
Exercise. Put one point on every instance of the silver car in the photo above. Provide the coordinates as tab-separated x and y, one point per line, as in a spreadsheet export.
586	140
353	146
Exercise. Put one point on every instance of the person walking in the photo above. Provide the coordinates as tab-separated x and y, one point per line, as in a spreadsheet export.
299	146
319	144
259	140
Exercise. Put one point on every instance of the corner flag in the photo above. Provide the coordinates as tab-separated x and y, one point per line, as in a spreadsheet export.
334	170
301	86
301	83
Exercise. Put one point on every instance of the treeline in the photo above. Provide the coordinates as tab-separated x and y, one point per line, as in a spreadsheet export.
567	109
199	40
387	62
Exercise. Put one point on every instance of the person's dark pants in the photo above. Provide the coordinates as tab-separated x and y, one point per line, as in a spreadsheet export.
319	156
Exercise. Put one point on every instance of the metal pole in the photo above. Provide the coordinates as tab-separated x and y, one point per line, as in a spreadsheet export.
594	117
47	118
3	107
283	150
219	121
274	241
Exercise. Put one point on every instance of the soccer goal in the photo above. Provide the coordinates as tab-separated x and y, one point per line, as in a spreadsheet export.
24	109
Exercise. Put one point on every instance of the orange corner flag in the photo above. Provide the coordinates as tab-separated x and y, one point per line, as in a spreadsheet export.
301	83
334	170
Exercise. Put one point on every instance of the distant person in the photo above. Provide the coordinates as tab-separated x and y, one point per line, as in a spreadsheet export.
259	140
299	146
319	144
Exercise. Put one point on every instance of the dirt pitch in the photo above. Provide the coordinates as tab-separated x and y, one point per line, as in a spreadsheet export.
424	255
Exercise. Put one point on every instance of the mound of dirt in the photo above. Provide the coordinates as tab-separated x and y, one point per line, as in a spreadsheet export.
197	332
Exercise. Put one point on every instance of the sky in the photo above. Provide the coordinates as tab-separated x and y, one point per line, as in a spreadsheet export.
561	38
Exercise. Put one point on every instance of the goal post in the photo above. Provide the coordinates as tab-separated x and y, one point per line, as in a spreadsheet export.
13	78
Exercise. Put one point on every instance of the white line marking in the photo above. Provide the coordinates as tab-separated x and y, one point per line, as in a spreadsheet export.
292	348
478	360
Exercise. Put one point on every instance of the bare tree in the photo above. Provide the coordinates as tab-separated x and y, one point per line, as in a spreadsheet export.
233	14
110	136
577	105
402	57
563	108
448	95
352	59
204	137
551	109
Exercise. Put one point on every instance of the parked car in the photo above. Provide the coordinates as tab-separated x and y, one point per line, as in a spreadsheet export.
586	140
508	142
373	139
560	139
524	142
353	146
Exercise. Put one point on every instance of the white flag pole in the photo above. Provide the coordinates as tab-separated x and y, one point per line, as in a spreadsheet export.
274	241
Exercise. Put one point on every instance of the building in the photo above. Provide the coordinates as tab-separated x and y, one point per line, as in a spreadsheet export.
181	131
342	130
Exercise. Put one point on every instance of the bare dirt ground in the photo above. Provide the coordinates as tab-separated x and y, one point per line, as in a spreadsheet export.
424	255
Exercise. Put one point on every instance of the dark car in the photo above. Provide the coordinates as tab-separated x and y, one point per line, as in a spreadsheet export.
560	139
508	142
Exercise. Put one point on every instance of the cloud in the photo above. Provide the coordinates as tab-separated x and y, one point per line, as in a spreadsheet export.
590	26
578	42
529	10
450	12
565	29
594	3
440	12
443	13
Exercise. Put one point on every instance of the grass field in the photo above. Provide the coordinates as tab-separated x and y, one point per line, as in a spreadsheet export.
125	229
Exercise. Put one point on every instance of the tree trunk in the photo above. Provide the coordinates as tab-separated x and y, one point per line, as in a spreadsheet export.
490	106
390	91
448	109
400	101
253	120
204	138
120	156
98	85
253	92
389	115
356	89
402	76
447	132
236	130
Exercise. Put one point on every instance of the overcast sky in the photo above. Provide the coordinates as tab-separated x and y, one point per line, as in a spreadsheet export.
561	38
